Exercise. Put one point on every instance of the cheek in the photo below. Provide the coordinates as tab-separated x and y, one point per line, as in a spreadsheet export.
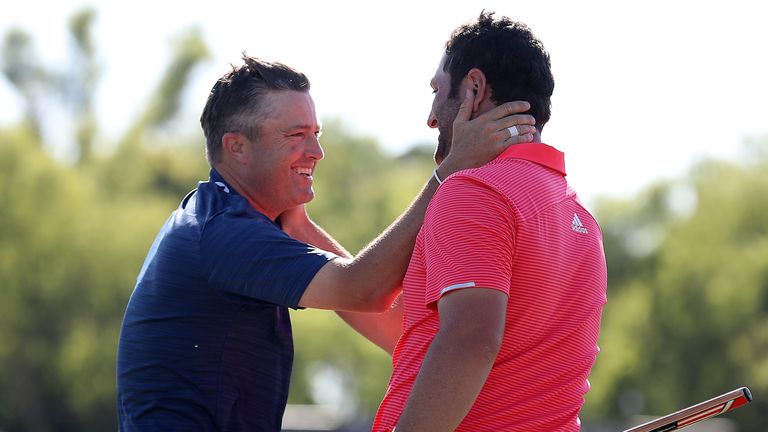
290	152
450	110
443	118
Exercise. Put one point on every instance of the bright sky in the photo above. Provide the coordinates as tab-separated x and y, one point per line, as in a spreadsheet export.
643	89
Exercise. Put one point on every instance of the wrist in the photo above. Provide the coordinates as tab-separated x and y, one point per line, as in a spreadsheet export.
446	168
437	177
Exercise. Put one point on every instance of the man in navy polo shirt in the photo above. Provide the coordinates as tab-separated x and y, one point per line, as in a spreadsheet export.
206	338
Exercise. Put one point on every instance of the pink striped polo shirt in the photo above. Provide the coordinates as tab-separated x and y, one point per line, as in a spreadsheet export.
514	225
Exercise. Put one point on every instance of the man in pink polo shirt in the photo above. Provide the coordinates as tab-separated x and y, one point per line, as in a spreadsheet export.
505	289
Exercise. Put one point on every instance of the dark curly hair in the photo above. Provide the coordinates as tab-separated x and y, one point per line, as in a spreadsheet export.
514	61
235	102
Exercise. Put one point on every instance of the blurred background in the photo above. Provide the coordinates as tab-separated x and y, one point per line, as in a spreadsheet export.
661	108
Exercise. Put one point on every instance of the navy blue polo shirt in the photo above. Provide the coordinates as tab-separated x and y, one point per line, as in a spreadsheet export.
206	339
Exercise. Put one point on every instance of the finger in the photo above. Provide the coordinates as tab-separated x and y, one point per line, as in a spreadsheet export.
522	122
518	139
465	110
515	134
507	109
516	120
517	130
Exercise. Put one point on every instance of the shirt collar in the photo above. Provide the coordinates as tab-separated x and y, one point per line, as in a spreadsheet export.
539	153
219	181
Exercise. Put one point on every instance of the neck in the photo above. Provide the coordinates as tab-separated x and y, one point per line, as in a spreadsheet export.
537	136
238	182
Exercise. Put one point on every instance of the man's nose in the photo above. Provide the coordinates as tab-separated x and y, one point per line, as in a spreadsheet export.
314	149
432	120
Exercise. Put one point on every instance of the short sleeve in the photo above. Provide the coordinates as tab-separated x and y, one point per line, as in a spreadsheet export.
253	258
469	239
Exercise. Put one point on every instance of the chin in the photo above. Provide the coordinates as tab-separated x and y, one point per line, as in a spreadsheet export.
440	152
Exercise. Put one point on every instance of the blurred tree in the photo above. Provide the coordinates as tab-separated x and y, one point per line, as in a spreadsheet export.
72	242
65	262
189	50
692	323
79	85
23	70
39	83
148	159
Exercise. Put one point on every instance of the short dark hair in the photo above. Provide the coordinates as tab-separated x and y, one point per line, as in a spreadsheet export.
514	61
235	102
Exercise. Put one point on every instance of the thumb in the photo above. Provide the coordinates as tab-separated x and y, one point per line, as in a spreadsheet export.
465	110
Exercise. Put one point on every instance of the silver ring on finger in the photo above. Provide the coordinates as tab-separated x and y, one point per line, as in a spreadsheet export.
513	132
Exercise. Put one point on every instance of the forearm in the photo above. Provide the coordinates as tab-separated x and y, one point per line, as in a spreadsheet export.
310	232
381	265
451	377
383	329
384	261
369	282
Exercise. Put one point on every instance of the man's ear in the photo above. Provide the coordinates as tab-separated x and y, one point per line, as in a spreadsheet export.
235	145
476	81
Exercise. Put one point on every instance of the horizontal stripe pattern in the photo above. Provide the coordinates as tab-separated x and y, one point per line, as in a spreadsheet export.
509	226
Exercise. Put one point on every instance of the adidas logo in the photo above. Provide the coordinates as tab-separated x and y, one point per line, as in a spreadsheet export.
577	226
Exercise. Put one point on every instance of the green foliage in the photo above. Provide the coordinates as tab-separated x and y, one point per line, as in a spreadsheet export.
73	239
321	338
691	324
66	260
22	69
77	85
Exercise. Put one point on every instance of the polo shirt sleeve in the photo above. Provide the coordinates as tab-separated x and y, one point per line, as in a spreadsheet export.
256	260
469	239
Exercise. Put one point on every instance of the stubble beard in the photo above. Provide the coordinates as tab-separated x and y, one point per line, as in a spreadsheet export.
443	147
445	138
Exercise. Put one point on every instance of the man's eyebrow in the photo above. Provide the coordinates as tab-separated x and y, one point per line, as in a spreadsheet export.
302	126
305	126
